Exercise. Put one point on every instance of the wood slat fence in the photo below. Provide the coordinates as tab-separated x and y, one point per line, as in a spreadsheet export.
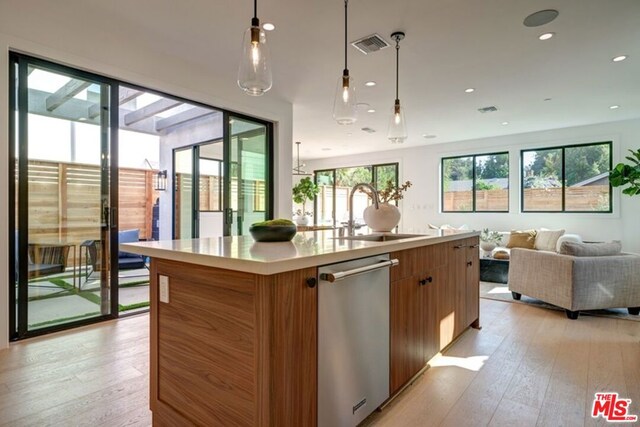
64	202
587	198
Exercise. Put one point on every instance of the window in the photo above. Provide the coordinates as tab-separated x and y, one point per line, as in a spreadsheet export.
259	196
332	201
210	197
572	178
476	183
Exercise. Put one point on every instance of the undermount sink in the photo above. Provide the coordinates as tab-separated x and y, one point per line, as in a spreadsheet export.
379	237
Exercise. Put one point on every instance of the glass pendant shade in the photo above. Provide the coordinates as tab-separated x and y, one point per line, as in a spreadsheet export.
345	111
254	73
397	125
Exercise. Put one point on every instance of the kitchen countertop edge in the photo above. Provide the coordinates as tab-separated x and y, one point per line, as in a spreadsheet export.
249	264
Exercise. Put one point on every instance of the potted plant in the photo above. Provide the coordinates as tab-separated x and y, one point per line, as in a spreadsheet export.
387	216
629	175
304	191
489	240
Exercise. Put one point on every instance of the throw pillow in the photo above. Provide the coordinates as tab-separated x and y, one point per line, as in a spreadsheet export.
128	236
546	239
522	239
567	238
501	254
591	249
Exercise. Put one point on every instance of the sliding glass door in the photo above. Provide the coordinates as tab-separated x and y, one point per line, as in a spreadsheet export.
184	227
223	186
60	125
248	181
90	162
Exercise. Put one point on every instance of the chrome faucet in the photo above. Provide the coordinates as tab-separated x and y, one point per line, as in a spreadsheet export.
351	225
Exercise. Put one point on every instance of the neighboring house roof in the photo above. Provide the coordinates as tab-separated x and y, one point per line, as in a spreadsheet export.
600	179
467	184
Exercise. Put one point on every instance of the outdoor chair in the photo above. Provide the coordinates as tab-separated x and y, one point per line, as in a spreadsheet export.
45	260
126	261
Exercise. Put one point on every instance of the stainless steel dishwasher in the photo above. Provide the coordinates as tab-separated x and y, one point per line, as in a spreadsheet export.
353	340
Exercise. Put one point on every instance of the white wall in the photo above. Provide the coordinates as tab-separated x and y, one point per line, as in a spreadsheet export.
421	166
77	36
211	224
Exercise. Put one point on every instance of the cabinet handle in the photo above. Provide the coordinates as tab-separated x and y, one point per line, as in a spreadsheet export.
469	263
474	246
459	246
425	281
311	282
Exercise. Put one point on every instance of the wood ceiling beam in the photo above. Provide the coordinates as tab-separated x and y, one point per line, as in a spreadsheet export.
150	110
184	117
65	93
126	94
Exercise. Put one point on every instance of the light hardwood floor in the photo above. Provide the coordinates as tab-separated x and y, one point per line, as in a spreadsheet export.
527	366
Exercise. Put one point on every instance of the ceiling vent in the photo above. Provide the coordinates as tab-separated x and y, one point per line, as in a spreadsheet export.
368	130
370	44
487	109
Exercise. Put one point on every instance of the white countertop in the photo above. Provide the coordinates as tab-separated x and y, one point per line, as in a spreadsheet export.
308	249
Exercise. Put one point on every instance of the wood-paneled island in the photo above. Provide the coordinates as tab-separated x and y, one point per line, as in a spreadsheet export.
236	341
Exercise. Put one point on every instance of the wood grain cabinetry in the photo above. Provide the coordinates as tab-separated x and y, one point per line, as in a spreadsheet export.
237	348
233	348
434	298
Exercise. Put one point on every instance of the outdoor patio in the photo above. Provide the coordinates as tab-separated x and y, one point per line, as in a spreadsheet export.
54	299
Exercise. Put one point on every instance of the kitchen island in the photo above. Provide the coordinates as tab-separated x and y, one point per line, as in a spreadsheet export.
234	323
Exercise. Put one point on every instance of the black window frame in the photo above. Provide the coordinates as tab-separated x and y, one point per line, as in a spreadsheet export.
115	83
473	182
562	148
374	179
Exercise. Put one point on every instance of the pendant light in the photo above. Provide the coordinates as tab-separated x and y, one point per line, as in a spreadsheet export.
344	104
397	124
254	72
298	169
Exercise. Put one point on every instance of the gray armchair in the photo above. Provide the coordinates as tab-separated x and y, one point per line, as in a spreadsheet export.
576	283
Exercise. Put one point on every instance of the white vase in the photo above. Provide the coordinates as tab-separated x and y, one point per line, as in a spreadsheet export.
383	219
487	246
302	220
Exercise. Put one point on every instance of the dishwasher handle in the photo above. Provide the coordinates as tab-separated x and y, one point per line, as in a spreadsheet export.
340	275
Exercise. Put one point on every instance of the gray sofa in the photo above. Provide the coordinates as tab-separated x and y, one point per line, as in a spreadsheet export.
576	282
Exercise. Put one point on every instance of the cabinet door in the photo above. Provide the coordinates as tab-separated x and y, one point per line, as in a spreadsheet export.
434	292
472	281
455	313
406	267
406	328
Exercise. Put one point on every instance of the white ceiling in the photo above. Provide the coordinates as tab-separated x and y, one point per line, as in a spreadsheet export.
450	45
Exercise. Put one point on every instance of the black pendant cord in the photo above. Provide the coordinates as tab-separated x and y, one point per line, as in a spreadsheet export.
346	69
255	22
397	68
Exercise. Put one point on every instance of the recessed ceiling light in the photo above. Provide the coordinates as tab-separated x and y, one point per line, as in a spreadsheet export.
547	99
371	110
614	107
546	36
370	83
469	90
362	105
619	58
83	119
505	123
428	136
268	26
